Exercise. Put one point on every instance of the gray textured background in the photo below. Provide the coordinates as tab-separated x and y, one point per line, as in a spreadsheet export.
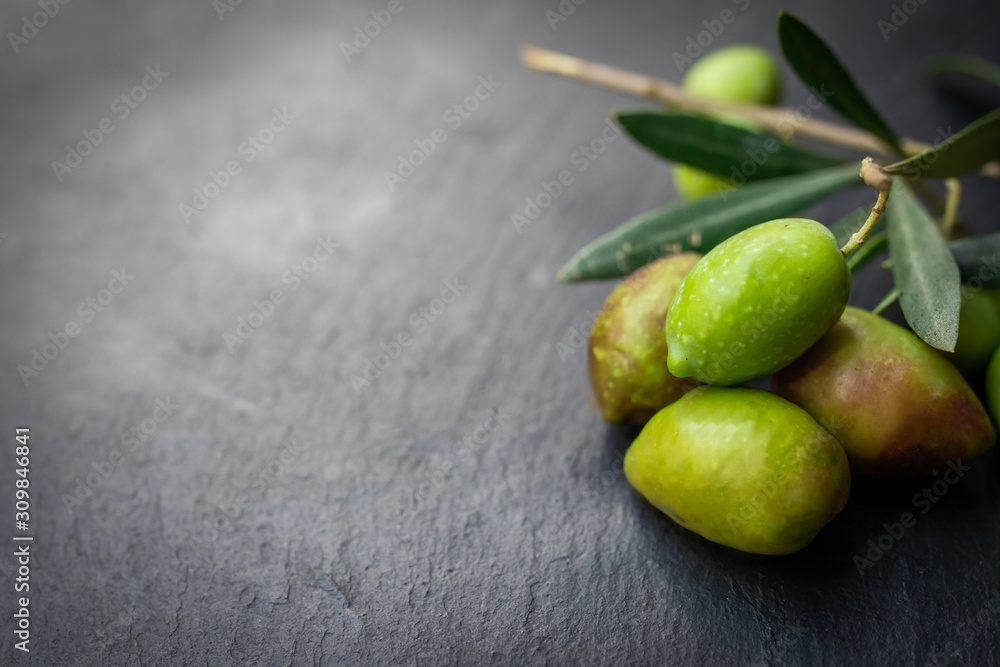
375	539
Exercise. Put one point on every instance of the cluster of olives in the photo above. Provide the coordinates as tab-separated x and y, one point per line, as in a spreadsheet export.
762	471
759	471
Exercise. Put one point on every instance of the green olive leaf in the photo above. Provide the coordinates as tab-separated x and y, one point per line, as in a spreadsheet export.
978	259
718	147
957	63
923	270
961	153
703	223
820	69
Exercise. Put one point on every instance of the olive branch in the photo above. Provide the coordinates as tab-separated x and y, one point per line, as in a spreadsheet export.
927	267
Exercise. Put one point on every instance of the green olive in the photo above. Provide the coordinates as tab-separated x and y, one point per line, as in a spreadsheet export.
742	73
978	331
741	467
628	352
993	387
896	406
756	302
694	183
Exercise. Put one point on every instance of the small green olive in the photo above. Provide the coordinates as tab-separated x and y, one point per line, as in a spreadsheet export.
694	183
742	73
756	302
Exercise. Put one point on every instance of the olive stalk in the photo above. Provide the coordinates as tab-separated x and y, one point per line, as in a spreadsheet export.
889	299
875	177
783	121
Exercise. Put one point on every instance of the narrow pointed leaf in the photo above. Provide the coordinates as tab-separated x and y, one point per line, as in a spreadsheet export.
956	63
820	69
703	223
962	153
978	259
719	148
924	270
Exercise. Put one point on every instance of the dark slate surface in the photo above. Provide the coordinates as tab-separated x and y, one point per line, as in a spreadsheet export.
369	533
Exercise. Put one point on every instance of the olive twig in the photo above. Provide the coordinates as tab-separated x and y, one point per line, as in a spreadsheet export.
875	177
786	123
889	299
954	187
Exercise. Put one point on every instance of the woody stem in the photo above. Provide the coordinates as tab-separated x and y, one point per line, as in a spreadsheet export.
876	177
786	123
